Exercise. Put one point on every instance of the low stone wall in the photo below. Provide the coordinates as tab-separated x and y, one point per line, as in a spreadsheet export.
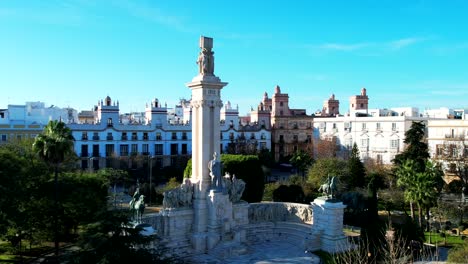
280	212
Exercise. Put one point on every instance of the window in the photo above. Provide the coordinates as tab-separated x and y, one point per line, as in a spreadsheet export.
109	122
263	145
439	150
379	159
453	151
281	112
158	149
174	136
252	136
84	136
365	142
334	125
145	136
109	150
109	136
281	138
158	136
221	135
394	128
134	149
349	143
364	126
184	149
124	135
295	138
378	126
123	150
231	136
394	143
281	103
95	150
184	135
134	136
145	149
262	136
4	138
95	136
174	149
84	150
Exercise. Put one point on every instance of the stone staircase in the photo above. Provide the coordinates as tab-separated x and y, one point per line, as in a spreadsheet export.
297	233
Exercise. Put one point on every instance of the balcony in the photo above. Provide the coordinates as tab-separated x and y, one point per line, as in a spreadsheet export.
124	137
84	138
95	137
134	137
185	138
145	137
110	138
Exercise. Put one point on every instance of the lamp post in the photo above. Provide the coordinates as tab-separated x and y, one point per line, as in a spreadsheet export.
91	164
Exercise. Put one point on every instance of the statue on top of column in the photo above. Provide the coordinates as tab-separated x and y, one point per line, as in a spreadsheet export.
205	59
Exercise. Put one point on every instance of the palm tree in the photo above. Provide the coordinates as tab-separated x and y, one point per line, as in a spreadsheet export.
419	187
52	146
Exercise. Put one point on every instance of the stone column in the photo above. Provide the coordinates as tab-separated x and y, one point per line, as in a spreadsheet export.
328	224
206	105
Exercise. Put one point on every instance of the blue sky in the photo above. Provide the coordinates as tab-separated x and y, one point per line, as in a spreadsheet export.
75	52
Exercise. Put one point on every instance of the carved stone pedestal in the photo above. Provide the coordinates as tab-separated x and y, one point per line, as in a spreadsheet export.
328	224
219	218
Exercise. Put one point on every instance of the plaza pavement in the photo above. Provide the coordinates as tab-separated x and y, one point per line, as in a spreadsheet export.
264	253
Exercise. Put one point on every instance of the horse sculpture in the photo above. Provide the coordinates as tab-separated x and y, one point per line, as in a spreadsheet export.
137	207
330	187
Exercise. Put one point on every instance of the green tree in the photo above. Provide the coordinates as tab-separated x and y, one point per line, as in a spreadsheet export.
357	172
320	170
416	149
301	160
53	145
419	187
249	169
245	167
112	239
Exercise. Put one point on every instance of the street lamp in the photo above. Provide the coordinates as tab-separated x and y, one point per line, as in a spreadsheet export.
90	165
151	176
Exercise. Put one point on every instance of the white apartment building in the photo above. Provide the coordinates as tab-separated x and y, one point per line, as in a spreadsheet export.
379	137
157	135
448	143
26	121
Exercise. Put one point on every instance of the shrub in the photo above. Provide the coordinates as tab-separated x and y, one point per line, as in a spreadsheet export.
249	169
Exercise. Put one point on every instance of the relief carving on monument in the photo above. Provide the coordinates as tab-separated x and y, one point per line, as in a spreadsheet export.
233	187
181	196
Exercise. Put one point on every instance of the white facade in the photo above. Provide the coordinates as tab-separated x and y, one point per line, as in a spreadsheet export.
36	113
157	135
379	138
19	122
448	143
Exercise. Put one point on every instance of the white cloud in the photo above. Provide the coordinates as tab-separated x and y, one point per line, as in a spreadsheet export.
404	42
344	47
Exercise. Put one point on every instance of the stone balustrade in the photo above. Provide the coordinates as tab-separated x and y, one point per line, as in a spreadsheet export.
280	212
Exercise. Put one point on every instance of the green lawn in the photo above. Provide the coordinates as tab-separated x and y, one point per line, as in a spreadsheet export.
9	255
437	238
